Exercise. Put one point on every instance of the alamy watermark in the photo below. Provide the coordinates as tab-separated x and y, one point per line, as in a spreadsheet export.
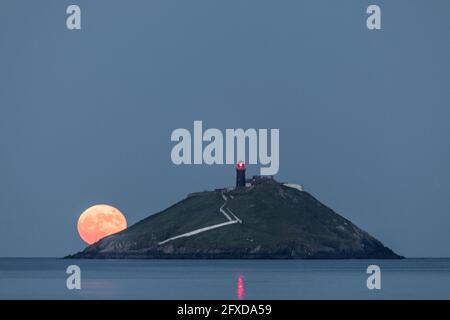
74	279
208	147
374	280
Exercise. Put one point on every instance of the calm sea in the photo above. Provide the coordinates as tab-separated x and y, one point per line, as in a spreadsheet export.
224	279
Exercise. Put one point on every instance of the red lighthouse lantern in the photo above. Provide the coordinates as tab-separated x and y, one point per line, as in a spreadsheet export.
240	174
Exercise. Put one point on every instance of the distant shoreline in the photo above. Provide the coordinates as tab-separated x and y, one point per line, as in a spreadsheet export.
263	259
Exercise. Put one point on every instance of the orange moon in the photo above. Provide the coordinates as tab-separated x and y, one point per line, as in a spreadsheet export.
100	221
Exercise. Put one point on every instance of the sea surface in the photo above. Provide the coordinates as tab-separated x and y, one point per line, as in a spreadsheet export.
36	278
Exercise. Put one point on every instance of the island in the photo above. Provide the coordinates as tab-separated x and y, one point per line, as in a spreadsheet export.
260	218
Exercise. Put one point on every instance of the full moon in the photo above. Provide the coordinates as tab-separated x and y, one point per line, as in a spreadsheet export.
100	221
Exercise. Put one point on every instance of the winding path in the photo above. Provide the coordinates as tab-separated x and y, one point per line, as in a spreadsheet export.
222	210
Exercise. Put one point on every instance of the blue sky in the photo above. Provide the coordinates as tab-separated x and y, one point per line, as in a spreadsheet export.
86	116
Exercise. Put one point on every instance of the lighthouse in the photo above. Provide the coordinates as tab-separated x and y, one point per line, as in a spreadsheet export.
240	174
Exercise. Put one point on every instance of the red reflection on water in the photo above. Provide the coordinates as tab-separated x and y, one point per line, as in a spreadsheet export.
240	288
